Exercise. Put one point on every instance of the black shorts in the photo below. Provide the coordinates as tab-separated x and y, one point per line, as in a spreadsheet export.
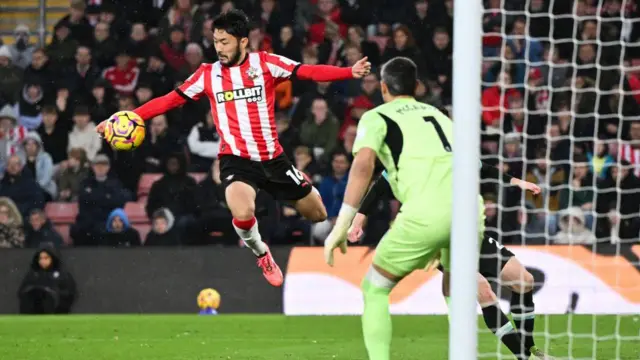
493	257
277	176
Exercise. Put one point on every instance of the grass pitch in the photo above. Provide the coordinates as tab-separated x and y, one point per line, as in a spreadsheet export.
244	337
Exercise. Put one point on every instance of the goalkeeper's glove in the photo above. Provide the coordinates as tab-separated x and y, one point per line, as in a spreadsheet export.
338	235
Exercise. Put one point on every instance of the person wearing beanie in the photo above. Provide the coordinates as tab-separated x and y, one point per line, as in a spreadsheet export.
22	50
10	76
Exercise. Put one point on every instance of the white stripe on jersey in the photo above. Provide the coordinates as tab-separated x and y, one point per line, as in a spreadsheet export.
197	87
263	109
278	71
221	112
244	121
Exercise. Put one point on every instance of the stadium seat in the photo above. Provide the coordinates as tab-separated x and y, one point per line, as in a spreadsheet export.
143	229
62	212
136	212
198	176
145	183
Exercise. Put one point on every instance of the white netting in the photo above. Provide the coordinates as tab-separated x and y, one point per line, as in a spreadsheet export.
561	97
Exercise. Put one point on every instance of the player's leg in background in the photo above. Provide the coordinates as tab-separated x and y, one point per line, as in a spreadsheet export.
520	281
495	319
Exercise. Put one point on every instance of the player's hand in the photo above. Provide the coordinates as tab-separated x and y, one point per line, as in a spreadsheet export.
100	127
337	238
355	230
361	69
529	186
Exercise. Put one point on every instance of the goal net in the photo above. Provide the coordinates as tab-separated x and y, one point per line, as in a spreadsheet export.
560	108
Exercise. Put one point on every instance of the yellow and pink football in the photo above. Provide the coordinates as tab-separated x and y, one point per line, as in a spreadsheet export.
124	131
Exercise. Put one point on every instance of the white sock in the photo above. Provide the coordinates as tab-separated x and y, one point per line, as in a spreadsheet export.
252	239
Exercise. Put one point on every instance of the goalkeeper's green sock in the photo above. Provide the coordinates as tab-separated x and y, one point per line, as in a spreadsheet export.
376	319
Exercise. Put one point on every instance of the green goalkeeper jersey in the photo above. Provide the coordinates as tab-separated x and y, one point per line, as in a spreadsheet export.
414	143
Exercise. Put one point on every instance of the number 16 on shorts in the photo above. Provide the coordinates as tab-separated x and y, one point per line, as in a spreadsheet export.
296	175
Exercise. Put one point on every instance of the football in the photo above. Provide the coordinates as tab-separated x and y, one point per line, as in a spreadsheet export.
124	131
208	299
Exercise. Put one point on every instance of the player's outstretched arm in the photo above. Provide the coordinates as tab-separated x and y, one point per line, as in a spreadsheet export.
333	73
494	173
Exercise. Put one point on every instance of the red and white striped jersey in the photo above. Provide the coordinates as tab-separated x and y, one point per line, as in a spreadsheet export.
242	101
632	155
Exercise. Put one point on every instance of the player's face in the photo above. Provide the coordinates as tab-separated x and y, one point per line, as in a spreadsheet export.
228	47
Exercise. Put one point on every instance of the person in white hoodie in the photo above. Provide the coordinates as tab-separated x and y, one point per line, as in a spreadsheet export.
83	134
39	162
204	143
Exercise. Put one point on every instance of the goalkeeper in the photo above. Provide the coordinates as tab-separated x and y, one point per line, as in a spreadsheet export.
496	262
410	139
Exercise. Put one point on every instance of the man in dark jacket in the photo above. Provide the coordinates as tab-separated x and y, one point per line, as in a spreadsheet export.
99	195
40	231
19	185
47	288
175	191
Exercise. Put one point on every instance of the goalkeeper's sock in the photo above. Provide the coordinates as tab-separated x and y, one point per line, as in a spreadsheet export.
248	232
376	319
523	313
500	325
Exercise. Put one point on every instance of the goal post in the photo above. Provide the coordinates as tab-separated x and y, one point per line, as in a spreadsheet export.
467	60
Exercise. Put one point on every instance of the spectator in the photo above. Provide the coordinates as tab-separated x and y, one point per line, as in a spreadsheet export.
512	155
599	159
118	25
207	42
160	141
553	68
83	134
619	217
11	134
40	164
630	151
124	75
522	44
259	41
332	189
549	198
158	74
18	185
186	16
77	23
162	231
404	45
80	77
580	193
62	47
175	191
103	100
320	130
204	143
119	232
287	135
574	228
328	15
73	172
48	288
356	36
193	56
212	215
288	45
40	231
54	137
330	50
64	107
30	106
105	47
304	162
99	195
11	232
10	77
370	97
348	140
496	99
173	48
126	103
270	18
139	43
439	60
40	71
510	65
143	93
22	49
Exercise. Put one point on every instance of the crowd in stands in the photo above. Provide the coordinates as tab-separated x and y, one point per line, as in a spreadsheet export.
559	93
